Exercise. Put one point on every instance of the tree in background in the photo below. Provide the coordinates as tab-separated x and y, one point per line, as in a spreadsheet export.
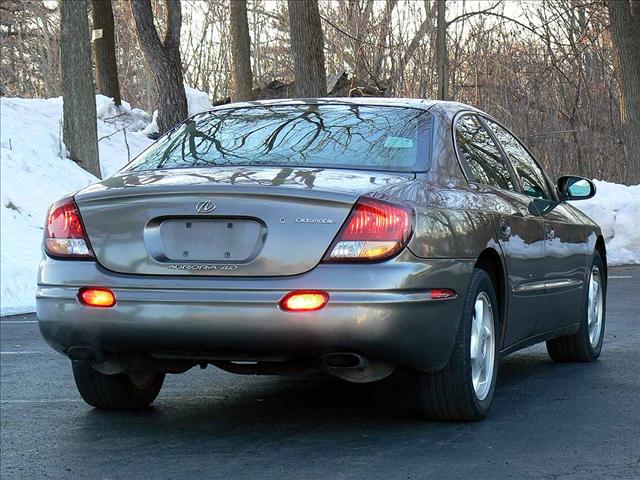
78	92
442	51
307	48
442	59
163	59
241	81
137	85
624	16
104	48
30	42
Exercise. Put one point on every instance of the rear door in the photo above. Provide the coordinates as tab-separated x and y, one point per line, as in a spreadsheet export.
565	243
520	229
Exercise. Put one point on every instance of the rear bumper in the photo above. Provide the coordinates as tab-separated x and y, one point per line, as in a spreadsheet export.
382	311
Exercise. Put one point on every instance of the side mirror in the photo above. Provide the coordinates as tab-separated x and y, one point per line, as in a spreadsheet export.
575	188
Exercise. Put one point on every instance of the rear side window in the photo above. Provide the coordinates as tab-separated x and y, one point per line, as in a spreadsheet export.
302	135
481	154
531	175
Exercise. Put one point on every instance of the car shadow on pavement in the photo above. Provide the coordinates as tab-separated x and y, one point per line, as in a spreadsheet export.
264	406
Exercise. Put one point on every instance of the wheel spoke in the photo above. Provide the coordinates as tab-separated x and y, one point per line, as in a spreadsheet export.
474	348
482	373
487	332
479	312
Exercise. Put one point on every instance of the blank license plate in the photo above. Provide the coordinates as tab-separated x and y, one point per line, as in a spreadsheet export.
210	240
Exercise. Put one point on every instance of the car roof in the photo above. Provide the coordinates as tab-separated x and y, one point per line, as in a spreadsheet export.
423	104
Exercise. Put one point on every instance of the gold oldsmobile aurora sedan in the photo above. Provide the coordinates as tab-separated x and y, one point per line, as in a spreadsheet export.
353	236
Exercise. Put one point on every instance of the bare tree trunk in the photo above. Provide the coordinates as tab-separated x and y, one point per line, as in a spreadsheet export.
307	48
104	48
163	59
624	16
385	25
358	22
425	26
79	130
241	80
442	63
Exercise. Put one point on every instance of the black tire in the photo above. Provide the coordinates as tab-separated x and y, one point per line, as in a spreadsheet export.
115	391
449	394
577	347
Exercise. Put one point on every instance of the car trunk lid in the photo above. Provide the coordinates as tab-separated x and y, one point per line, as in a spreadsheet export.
238	221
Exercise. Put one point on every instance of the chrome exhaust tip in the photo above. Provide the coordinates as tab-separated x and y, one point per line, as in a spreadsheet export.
356	368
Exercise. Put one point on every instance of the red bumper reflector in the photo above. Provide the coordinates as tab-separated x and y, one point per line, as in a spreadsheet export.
442	294
304	301
97	297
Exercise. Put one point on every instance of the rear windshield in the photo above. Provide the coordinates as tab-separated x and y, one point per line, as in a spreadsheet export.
333	136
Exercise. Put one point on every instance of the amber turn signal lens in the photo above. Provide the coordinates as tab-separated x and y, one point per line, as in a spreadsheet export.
304	301
97	297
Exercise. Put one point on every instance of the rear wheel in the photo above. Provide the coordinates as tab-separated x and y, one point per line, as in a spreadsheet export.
586	344
121	391
464	389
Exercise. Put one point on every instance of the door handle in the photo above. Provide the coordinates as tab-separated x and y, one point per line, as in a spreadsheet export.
550	232
505	228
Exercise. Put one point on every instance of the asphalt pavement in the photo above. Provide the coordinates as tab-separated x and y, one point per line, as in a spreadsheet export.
548	421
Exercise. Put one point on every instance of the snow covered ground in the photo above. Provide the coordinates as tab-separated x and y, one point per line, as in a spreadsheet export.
35	172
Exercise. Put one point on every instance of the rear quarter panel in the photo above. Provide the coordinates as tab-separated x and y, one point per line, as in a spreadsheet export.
452	221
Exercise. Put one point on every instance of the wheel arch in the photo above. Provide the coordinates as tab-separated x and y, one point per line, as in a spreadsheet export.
491	262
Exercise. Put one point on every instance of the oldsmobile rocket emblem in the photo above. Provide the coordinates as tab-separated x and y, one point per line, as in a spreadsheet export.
205	207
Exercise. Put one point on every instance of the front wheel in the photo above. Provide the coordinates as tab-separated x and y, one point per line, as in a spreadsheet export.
586	344
121	391
464	389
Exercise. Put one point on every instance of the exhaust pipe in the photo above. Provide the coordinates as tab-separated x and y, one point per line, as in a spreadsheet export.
83	354
344	360
356	368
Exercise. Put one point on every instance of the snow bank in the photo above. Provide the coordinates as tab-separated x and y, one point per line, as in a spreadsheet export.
35	172
616	208
197	102
32	175
120	136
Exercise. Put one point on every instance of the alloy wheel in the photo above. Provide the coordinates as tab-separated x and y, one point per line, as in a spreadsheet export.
482	346
594	312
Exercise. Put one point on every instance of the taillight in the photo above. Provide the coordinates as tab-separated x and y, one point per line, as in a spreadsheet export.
375	230
64	234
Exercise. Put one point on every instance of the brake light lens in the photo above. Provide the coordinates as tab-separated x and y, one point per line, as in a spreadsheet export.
375	230
64	234
304	301
97	297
